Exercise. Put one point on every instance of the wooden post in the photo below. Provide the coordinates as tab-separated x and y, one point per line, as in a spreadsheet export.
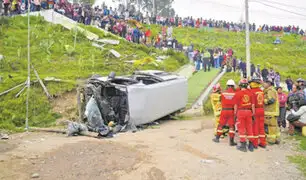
18	94
7	91
79	105
41	83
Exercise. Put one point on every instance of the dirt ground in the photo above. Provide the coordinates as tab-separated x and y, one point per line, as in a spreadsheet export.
175	150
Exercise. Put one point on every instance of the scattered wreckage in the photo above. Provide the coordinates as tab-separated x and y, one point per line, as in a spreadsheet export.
120	103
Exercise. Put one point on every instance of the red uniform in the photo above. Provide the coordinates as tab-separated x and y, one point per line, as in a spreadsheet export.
244	99
227	113
259	124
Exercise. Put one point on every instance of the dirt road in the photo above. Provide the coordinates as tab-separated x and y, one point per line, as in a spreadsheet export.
177	150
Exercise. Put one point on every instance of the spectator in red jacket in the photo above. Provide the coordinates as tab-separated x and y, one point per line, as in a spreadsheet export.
148	35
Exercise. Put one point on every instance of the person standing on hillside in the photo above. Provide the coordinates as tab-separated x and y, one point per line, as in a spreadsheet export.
289	83
234	63
277	79
206	63
272	76
6	6
258	72
169	32
282	99
136	35
265	74
243	69
216	59
148	34
253	69
221	57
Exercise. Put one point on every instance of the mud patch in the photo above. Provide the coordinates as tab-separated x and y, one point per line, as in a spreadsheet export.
66	105
156	174
5	146
197	153
141	146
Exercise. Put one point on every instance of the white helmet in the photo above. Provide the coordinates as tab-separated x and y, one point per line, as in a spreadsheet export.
230	82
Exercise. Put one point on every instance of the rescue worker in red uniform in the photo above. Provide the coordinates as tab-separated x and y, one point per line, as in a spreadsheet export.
259	124
227	113
244	112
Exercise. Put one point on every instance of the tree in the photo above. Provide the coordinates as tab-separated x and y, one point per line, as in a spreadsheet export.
163	7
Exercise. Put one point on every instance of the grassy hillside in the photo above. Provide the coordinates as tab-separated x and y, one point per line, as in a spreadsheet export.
287	58
53	55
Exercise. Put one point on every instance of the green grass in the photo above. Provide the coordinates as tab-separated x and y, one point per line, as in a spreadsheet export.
301	139
300	161
198	82
53	55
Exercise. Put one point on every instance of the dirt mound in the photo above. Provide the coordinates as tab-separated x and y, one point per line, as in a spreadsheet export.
66	105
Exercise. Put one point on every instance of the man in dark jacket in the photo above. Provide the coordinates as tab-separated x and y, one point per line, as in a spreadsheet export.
264	73
253	69
234	63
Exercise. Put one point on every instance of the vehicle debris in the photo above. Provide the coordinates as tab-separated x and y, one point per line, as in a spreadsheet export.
98	45
4	136
108	41
115	53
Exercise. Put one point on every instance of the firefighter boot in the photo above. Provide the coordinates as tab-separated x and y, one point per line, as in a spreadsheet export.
242	147
251	147
216	139
232	142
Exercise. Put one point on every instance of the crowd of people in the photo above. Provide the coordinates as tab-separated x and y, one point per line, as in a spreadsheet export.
229	26
258	109
86	14
209	58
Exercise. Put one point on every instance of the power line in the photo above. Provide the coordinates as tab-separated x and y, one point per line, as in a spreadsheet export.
276	16
287	5
212	2
280	8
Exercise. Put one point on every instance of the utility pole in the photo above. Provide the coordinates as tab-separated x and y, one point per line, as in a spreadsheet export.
138	5
29	73
154	8
126	2
247	40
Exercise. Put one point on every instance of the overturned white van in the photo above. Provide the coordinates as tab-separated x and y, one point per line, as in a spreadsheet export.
134	100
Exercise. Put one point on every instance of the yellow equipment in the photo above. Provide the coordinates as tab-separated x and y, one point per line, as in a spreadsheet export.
304	131
215	100
271	114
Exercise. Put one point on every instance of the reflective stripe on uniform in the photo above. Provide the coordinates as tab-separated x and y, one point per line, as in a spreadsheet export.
255	136
231	131
243	136
250	136
220	131
262	136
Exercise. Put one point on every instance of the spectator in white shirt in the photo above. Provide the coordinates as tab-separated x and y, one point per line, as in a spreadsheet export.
301	122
